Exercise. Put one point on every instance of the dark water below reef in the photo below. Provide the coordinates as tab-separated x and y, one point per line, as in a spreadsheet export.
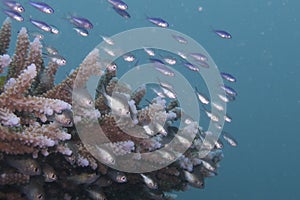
264	56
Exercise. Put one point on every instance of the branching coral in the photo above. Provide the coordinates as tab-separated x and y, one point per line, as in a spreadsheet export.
37	127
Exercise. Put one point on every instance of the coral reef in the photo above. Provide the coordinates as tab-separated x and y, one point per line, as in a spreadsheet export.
42	156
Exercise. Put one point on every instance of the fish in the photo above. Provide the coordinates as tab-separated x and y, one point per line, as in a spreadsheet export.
191	67
118	4
180	39
54	29
51	50
41	6
129	57
96	194
14	15
122	13
217	106
229	91
65	118
181	55
111	67
170	60
83	178
203	99
34	190
58	59
198	56
223	98
149	51
49	173
81	31
223	34
107	40
13	5
158	22
80	22
228	77
229	139
158	93
213	117
164	69
118	103
149	182
105	156
117	176
208	166
227	118
41	25
26	166
219	144
81	97
193	180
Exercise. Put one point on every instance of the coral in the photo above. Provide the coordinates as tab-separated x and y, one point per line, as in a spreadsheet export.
42	155
5	34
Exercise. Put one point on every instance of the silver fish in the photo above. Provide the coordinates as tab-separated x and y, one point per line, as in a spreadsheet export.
105	155
193	180
118	103
198	56
81	31
158	22
54	29
149	182
49	173
41	6
229	139
80	22
164	70
58	59
229	91
169	93
129	57
41	25
26	166
117	176
191	67
118	4
65	118
180	39
223	34
14	15
149	51
107	40
203	99
96	194
170	60
34	190
13	5
51	50
228	77
84	178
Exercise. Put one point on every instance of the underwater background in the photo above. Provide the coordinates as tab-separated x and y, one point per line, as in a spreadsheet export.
264	56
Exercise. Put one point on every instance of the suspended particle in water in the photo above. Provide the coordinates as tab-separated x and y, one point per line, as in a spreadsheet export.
200	8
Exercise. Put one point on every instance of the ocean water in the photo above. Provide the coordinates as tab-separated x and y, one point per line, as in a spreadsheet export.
264	56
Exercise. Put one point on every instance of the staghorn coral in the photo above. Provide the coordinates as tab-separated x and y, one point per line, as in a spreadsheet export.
5	34
37	127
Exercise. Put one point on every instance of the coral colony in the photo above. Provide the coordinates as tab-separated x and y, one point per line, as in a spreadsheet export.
41	154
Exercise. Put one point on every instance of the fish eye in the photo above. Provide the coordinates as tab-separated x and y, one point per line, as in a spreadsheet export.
123	179
40	196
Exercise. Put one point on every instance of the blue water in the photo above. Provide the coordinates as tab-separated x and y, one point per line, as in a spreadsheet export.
263	55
